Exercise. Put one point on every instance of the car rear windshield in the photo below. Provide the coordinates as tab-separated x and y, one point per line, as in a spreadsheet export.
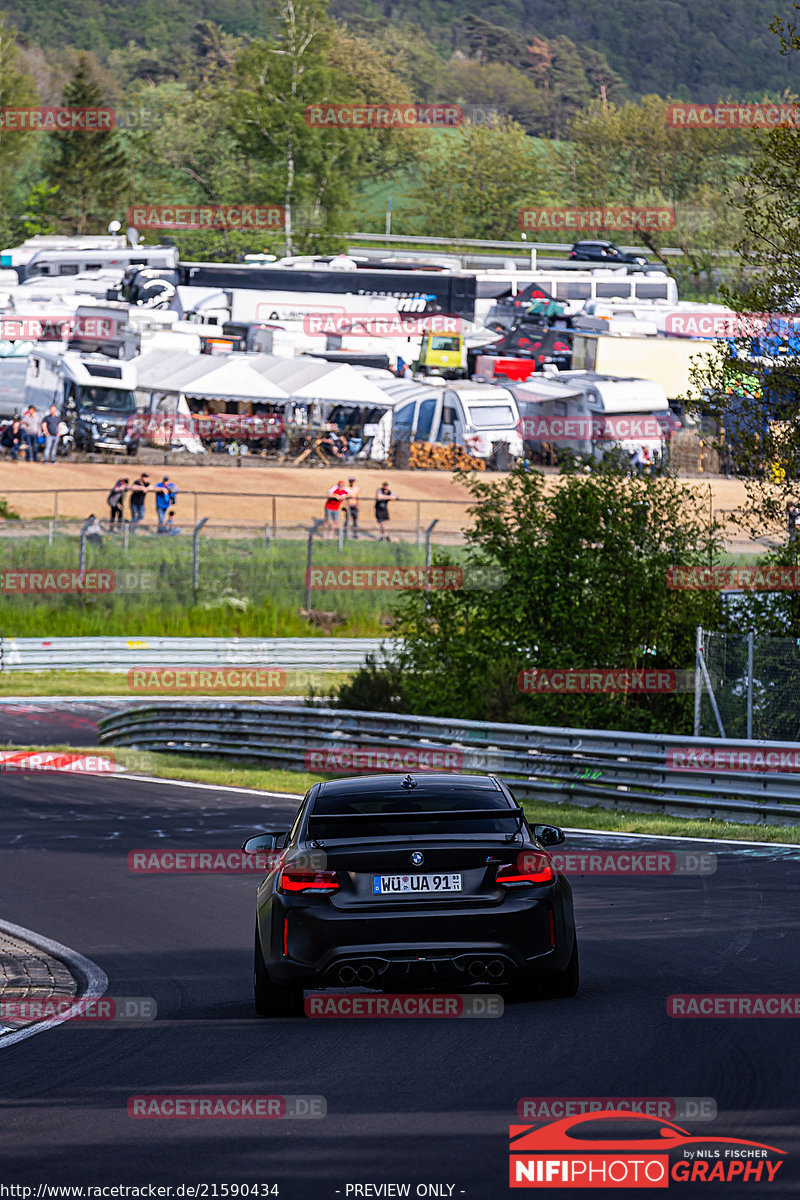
370	814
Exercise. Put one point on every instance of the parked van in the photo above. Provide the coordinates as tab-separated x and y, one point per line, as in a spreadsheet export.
94	394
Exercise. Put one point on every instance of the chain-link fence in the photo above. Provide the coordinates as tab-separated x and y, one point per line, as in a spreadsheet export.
755	687
327	574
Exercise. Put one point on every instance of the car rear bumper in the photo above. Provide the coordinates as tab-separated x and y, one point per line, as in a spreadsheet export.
317	944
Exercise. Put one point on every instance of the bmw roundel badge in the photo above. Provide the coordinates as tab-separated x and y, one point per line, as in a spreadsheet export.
417	858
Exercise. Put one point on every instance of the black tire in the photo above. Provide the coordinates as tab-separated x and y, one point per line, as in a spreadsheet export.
270	1000
552	987
566	982
131	449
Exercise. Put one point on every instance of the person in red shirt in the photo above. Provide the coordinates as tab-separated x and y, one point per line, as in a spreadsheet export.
333	504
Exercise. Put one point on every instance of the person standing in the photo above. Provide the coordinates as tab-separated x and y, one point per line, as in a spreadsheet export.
30	433
139	490
353	506
382	497
50	429
336	495
165	498
116	499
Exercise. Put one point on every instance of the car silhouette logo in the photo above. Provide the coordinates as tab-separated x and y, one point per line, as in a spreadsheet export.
417	858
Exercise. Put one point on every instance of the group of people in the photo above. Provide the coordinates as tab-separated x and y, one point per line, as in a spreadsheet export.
348	500
30	431
165	493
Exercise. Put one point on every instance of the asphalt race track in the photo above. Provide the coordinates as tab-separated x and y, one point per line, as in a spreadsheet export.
408	1101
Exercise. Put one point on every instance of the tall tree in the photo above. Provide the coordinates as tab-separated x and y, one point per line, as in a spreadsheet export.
308	167
90	169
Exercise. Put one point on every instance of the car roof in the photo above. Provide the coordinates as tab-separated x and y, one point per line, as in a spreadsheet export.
427	783
589	242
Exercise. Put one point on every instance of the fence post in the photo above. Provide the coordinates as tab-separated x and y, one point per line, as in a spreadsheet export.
196	557
274	516
125	532
82	553
266	536
698	680
750	642
310	560
419	525
428	533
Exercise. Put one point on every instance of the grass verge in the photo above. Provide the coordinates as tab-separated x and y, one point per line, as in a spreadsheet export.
218	771
112	683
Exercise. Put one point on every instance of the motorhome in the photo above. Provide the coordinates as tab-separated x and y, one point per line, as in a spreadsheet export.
627	412
55	263
94	394
472	415
641	316
17	257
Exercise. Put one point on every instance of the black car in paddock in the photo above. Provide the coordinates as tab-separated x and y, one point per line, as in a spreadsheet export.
420	883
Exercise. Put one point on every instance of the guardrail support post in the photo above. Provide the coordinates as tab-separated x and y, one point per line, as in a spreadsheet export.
196	557
698	680
310	561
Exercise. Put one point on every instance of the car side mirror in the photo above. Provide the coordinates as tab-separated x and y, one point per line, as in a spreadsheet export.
262	841
548	835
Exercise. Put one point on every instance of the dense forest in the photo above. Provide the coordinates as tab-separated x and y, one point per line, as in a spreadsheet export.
690	50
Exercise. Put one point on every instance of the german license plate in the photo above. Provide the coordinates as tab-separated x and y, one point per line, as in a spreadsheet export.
395	885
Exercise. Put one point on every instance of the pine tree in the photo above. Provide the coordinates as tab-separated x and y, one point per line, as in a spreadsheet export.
88	168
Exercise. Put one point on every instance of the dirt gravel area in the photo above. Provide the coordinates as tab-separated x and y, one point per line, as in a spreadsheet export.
226	494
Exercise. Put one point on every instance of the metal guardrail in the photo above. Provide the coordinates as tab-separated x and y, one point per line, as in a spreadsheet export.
120	654
583	767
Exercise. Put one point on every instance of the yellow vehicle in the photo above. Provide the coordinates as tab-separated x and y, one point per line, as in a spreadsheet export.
442	354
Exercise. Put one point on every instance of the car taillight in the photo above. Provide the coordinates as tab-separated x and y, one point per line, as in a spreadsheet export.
320	882
528	869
